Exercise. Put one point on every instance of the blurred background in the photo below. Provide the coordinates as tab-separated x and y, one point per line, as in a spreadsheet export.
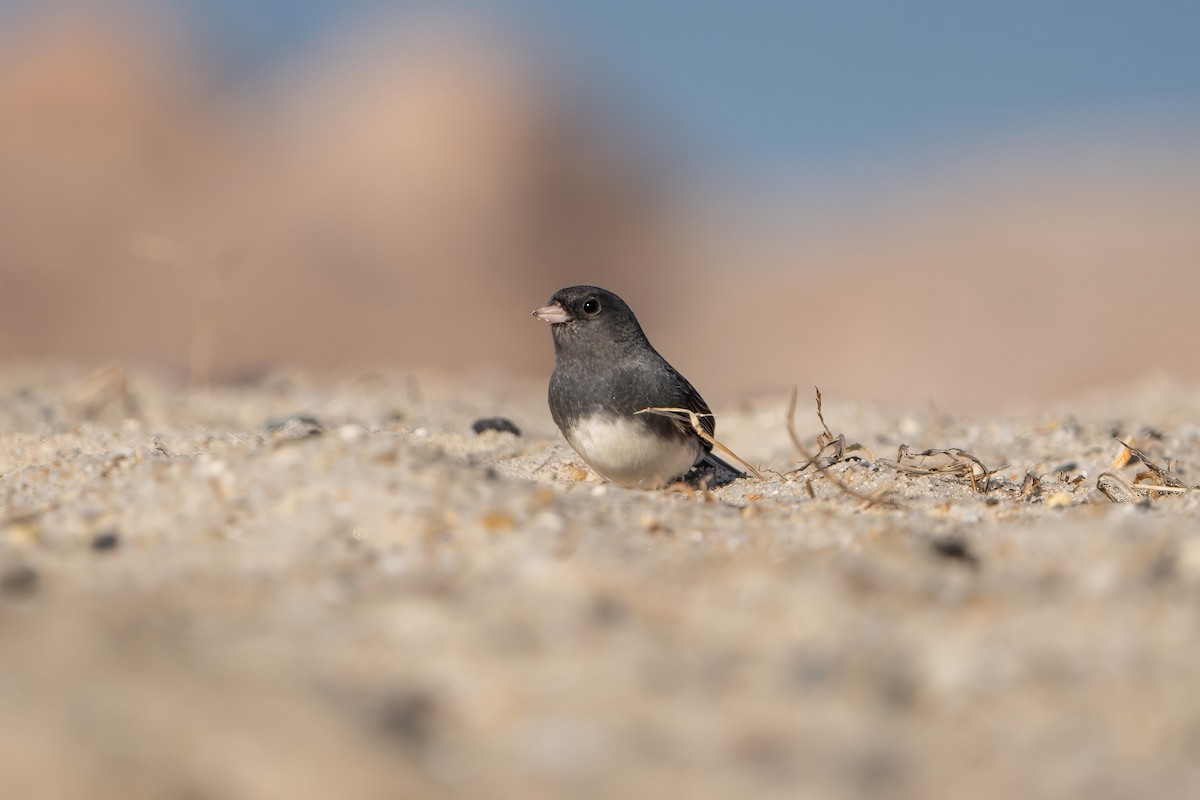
920	202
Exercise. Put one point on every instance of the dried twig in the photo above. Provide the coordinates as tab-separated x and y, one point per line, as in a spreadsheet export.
11	518
1151	482
1154	487
821	416
812	460
211	276
961	464
1031	486
101	387
1154	471
1119	490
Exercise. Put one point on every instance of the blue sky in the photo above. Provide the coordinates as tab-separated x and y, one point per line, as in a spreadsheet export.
781	85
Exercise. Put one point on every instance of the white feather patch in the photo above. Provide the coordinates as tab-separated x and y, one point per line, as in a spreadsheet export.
629	454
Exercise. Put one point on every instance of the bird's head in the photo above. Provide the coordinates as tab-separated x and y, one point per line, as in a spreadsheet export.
589	313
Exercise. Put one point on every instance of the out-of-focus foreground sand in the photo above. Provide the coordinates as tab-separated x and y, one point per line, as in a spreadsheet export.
371	601
406	198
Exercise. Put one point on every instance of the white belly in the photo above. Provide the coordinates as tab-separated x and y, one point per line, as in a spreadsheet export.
629	454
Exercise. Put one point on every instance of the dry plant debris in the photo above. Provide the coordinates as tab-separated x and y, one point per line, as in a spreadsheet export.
1117	489
1149	483
951	462
825	440
105	386
959	464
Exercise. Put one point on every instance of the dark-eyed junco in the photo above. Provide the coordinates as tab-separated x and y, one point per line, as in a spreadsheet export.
606	371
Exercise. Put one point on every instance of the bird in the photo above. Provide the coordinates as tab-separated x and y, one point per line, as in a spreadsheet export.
605	372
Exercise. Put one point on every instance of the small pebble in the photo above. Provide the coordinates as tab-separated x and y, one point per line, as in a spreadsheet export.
298	426
351	433
19	580
1058	500
277	423
105	541
408	715
952	547
498	424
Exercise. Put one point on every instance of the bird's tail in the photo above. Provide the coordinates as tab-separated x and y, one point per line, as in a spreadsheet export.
712	471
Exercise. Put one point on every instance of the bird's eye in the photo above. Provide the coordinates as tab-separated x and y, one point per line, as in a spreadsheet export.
591	307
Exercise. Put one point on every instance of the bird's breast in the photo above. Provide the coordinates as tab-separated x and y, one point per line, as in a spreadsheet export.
629	452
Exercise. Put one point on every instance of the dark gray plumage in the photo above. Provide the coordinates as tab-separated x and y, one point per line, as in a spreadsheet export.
605	371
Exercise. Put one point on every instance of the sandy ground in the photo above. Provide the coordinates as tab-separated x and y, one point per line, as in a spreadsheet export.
206	595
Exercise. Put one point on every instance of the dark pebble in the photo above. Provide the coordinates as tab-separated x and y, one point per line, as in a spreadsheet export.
19	580
608	611
293	421
953	548
498	424
106	540
408	716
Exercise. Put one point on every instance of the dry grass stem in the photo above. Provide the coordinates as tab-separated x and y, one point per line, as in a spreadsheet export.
820	414
1151	487
100	388
1119	490
824	440
210	276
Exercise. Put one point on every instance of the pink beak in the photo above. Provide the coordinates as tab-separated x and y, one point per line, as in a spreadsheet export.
553	314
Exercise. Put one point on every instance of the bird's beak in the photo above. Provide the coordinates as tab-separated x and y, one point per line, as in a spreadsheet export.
553	314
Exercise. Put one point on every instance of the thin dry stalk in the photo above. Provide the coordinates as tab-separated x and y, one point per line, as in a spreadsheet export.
100	388
1153	487
820	415
17	518
210	276
1118	490
812	460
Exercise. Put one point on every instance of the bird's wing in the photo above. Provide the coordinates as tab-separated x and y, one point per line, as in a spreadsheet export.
687	397
718	470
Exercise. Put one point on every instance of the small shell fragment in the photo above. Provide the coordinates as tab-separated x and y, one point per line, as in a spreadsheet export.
1059	500
1116	489
1122	457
